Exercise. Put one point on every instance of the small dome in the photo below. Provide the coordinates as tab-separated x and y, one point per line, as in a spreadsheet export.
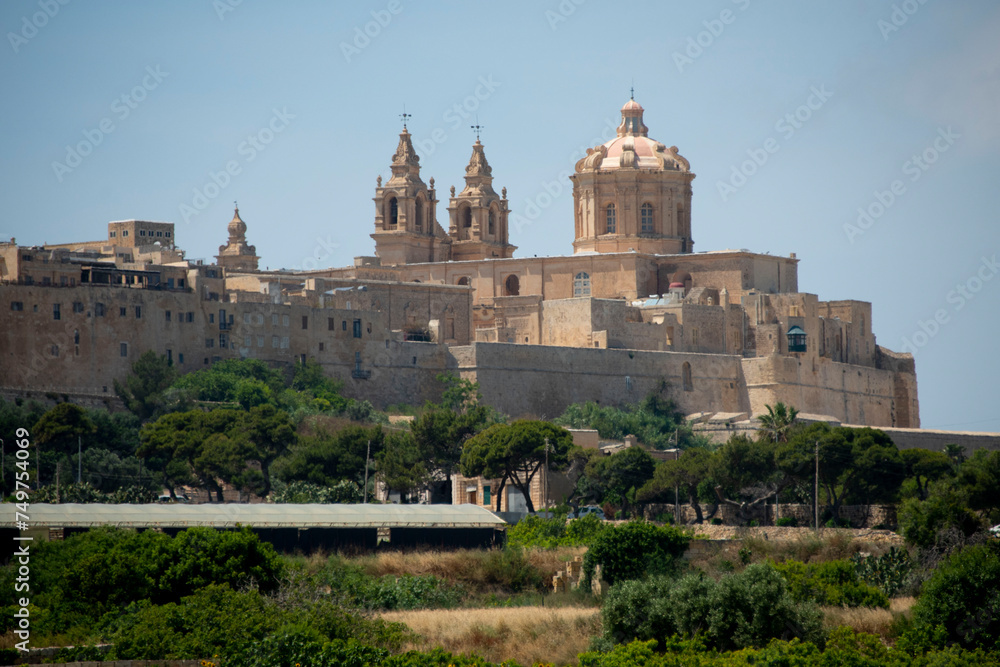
632	105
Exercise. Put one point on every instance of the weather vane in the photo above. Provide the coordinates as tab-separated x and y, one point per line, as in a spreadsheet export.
477	127
631	91
404	116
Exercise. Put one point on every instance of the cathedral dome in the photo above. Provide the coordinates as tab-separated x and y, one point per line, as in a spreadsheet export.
632	148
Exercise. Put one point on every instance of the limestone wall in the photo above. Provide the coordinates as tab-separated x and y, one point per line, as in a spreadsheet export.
541	381
854	394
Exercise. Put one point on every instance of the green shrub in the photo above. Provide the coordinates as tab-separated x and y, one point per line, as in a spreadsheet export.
887	572
834	583
742	610
790	521
962	596
639	609
633	550
535	532
754	606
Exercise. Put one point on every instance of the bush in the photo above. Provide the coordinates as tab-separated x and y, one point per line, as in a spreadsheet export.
888	572
789	521
633	550
739	611
548	533
961	595
752	607
834	583
922	521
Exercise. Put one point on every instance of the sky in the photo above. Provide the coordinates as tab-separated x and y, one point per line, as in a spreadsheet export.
862	136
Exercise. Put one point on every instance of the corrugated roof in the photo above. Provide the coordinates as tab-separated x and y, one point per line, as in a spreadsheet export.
263	515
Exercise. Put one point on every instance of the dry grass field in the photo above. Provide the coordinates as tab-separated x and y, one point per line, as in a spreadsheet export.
524	634
864	619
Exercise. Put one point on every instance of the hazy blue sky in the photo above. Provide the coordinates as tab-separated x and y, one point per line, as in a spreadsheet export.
118	110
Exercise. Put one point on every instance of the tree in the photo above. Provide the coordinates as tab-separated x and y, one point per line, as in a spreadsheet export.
401	465
142	391
939	517
459	394
924	466
619	476
59	430
686	474
440	434
961	595
325	457
979	477
515	453
745	474
267	434
777	424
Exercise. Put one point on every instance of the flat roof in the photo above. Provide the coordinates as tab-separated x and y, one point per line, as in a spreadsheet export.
260	515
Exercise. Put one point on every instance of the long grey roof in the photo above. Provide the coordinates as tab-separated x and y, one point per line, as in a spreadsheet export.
263	515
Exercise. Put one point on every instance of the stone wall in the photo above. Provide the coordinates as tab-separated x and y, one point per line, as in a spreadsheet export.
860	516
541	381
816	385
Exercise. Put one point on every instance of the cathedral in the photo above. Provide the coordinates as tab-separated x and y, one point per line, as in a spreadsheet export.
633	305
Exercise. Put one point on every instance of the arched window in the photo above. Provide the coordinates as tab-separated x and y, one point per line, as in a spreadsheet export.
512	286
686	377
464	280
493	219
610	222
646	219
393	213
581	284
466	216
418	219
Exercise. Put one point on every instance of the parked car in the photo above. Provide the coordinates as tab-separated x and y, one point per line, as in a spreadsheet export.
165	498
588	509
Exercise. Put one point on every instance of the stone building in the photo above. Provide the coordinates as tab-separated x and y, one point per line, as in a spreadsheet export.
632	305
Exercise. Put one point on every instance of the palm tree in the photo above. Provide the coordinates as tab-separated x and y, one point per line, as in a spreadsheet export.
776	424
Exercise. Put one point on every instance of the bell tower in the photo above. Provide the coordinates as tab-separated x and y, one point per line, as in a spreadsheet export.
406	228
477	215
237	255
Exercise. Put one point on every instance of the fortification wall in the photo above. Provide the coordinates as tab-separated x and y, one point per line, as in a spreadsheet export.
541	381
853	394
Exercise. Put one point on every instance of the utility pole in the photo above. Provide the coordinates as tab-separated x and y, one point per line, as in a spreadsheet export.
368	455
545	500
816	490
677	489
79	459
